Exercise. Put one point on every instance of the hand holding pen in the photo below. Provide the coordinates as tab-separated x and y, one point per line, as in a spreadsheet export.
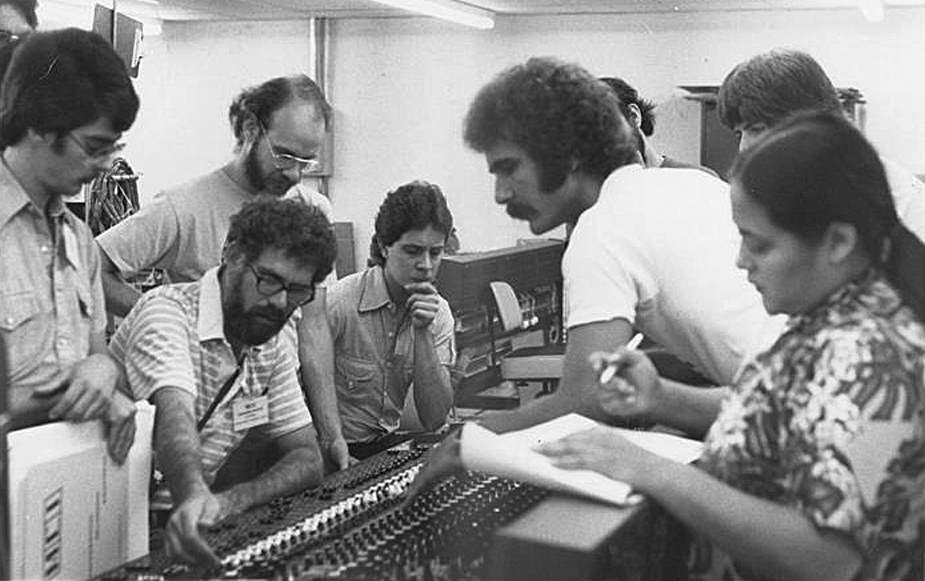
614	366
628	382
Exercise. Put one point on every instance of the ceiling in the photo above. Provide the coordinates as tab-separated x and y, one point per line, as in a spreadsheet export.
301	9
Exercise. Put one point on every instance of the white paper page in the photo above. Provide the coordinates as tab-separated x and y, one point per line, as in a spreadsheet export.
74	513
511	455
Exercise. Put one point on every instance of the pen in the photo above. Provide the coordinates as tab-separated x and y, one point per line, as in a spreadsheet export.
612	368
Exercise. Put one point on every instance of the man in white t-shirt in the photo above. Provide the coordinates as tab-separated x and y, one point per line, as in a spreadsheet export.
651	250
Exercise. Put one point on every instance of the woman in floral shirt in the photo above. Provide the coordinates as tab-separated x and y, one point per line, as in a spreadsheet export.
814	462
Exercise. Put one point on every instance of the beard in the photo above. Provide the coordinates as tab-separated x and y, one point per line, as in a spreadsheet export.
254	326
276	183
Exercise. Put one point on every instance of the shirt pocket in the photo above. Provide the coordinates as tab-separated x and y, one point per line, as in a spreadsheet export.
22	329
358	374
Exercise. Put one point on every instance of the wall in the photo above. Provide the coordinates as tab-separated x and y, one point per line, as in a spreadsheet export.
400	88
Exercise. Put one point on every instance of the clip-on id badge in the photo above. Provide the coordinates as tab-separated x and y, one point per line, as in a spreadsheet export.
249	412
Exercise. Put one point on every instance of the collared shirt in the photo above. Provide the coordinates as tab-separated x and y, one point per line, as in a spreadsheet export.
374	351
51	297
174	337
829	422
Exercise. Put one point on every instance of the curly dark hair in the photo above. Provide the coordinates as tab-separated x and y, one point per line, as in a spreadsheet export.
63	79
269	97
771	86
630	96
412	206
301	231
559	114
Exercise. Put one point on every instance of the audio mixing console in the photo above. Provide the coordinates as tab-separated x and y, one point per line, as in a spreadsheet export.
357	526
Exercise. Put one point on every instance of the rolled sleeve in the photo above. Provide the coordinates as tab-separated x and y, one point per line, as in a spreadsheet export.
153	346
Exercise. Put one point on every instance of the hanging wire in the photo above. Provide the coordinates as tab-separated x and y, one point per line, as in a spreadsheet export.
113	196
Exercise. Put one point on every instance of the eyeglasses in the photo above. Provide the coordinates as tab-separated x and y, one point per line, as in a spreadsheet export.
269	284
98	153
9	37
285	162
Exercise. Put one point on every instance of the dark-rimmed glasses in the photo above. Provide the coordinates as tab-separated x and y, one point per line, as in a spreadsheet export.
270	284
98	153
285	161
9	37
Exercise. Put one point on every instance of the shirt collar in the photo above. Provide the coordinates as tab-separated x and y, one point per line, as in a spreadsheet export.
14	198
375	292
840	300
211	324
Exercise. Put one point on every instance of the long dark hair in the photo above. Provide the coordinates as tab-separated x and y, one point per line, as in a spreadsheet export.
816	168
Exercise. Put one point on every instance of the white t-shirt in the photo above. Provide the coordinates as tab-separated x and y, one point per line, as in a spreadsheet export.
658	249
908	195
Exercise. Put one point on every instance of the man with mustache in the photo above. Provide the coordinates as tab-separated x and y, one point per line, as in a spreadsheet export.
279	126
209	355
651	249
65	102
392	331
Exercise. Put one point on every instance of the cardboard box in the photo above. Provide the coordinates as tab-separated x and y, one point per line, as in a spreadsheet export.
74	513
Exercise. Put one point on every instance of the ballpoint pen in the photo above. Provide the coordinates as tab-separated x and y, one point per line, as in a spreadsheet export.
612	368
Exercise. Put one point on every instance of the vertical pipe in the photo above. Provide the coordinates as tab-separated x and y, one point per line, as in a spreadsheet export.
319	63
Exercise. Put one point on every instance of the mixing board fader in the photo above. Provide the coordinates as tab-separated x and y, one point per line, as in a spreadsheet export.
358	526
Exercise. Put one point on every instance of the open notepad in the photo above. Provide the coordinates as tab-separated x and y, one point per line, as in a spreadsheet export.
511	455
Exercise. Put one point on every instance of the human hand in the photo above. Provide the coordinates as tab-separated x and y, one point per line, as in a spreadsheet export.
602	450
120	427
634	391
335	453
443	460
89	390
422	303
184	543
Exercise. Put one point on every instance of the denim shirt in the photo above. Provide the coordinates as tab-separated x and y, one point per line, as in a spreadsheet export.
373	352
51	296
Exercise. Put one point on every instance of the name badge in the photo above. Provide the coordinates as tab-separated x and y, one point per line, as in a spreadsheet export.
249	412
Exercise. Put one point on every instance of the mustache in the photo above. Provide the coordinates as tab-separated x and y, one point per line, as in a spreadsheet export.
270	313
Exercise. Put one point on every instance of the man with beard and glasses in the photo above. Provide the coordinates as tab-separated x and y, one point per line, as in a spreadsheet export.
210	357
65	102
279	126
393	333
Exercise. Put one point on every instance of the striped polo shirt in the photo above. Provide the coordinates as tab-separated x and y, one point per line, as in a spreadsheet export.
174	337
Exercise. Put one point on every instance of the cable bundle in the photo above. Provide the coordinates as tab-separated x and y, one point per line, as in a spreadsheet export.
113	196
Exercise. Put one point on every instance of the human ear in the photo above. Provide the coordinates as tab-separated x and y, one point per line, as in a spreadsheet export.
250	131
635	115
841	241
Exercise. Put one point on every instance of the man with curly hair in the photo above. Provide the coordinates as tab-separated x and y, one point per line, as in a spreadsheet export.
393	333
279	126
209	356
651	250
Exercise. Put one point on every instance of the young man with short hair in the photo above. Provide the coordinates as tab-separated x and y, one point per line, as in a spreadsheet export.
769	87
392	330
66	100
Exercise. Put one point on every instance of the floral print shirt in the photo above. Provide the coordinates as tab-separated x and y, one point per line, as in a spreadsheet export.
829	421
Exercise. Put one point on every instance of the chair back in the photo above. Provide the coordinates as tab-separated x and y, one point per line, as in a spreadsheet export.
507	305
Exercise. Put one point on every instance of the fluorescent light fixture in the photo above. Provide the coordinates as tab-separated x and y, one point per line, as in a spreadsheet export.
871	9
458	12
